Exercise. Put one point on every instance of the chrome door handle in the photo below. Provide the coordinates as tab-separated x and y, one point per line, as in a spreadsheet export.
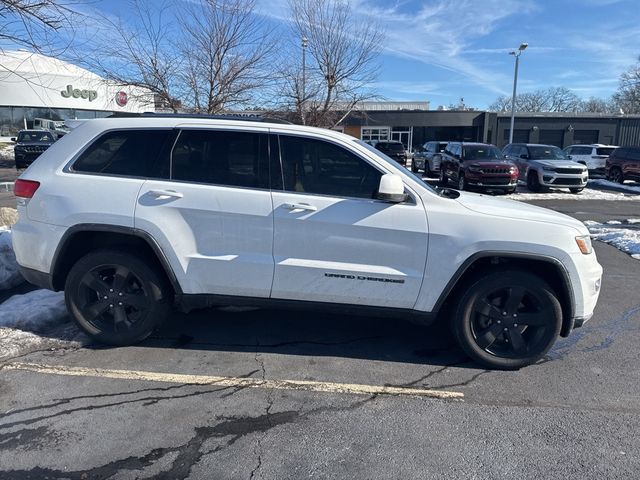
300	206
165	193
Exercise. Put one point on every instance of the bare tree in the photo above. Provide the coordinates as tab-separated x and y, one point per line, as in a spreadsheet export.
227	52
140	51
553	99
597	105
36	24
561	99
627	97
340	66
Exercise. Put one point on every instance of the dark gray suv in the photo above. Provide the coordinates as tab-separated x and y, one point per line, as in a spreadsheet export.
428	158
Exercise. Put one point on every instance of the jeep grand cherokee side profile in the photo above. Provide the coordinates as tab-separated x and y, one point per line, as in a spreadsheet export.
133	216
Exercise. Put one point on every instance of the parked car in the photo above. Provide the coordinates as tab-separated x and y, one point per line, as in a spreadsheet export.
428	158
593	156
477	165
30	144
132	216
543	166
394	150
624	164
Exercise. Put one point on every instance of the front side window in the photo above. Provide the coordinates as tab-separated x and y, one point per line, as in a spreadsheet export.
124	152
219	157
318	167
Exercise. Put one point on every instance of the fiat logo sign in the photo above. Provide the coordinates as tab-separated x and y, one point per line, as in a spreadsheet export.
121	99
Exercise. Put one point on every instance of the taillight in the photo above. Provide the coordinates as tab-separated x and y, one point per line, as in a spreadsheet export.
25	188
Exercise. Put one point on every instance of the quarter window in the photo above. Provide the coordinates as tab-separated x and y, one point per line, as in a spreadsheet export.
124	152
318	167
219	157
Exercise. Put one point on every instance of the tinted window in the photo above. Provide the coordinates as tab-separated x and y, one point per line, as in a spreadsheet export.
634	154
238	159
581	151
124	152
35	136
604	151
314	166
441	147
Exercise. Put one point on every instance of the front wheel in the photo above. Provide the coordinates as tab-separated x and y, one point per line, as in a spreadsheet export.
462	181
117	298
615	175
533	182
444	180
576	190
507	319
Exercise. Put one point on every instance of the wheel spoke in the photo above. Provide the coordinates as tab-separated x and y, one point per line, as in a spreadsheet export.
137	301
516	294
486	338
95	283
120	278
120	318
95	309
533	319
517	342
488	309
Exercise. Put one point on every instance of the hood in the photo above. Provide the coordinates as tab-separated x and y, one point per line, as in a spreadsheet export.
489	163
560	164
499	207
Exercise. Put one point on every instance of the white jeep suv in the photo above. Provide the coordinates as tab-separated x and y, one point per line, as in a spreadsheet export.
133	216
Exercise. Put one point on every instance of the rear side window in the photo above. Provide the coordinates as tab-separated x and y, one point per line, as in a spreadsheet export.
604	151
237	159
132	153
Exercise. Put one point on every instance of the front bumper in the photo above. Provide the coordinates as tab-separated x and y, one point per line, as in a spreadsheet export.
553	179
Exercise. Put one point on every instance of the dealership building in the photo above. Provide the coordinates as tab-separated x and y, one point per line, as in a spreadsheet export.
34	86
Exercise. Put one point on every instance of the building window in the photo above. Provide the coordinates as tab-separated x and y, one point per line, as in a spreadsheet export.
375	134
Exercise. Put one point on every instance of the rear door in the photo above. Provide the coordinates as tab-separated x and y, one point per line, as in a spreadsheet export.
212	215
333	241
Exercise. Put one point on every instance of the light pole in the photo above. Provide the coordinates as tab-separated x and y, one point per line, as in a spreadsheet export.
305	43
517	54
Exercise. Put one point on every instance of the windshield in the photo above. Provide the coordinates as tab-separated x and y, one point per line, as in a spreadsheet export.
393	147
547	153
482	153
35	137
393	164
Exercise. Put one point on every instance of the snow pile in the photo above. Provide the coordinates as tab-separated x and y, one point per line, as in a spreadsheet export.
614	233
9	274
618	186
586	194
35	311
6	151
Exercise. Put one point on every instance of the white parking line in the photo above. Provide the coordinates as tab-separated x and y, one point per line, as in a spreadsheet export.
236	382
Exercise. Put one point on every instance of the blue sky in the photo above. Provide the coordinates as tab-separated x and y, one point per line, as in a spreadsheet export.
441	50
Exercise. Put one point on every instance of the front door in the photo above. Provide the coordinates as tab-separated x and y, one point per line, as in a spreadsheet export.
212	217
333	241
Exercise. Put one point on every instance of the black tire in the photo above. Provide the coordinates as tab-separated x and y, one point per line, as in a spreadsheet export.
576	190
116	297
427	169
510	190
533	182
507	319
444	180
616	175
462	181
414	169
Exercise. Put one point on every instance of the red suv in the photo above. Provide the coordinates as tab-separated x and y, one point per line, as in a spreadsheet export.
624	164
477	165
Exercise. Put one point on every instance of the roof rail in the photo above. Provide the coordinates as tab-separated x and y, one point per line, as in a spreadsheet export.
230	116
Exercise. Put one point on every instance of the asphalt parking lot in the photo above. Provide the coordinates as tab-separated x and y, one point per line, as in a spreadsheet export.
272	394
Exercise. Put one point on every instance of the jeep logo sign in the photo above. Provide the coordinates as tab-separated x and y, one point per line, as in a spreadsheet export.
77	93
121	98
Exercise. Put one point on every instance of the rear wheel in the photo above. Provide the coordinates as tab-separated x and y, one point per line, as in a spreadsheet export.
507	319
533	182
616	175
117	298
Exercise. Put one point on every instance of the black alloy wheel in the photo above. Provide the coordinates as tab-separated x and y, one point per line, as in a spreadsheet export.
616	175
116	297
533	182
507	319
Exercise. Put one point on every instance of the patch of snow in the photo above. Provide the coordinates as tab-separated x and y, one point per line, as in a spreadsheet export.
614	222
35	311
9	273
586	194
620	186
633	220
625	239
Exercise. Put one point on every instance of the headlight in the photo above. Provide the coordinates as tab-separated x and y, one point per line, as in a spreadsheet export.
584	244
475	169
548	169
513	170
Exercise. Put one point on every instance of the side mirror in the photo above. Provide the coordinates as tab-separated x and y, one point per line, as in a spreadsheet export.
391	189
525	156
569	157
13	139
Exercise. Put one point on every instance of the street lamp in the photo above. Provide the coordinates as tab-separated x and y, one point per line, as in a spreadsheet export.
305	43
516	54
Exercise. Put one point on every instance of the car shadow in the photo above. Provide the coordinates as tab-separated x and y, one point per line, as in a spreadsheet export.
310	334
